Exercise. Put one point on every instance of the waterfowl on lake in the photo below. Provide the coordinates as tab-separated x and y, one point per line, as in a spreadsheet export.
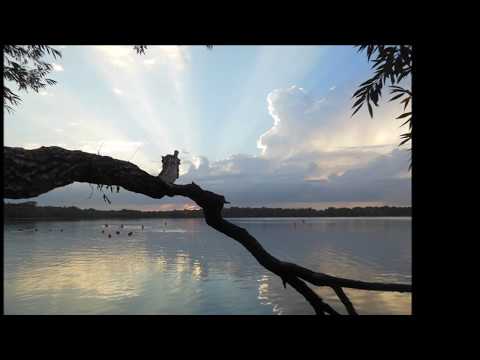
118	232
109	235
130	233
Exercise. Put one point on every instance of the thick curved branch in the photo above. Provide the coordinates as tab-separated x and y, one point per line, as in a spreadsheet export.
29	173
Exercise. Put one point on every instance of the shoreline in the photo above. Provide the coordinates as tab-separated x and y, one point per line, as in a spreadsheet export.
9	220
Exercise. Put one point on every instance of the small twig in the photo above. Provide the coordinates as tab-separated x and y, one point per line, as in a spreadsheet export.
135	153
98	151
91	192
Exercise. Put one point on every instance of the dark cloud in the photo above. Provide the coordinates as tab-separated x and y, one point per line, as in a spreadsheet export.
255	181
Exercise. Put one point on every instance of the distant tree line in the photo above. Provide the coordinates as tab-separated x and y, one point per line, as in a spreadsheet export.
30	210
329	212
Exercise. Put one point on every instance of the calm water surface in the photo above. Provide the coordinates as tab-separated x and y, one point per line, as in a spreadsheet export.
182	266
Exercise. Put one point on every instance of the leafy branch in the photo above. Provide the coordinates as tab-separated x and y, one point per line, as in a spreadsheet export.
23	65
391	64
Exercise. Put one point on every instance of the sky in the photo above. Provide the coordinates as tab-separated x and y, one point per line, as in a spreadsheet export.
262	125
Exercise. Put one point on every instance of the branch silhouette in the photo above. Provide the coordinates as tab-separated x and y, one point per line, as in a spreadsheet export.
29	173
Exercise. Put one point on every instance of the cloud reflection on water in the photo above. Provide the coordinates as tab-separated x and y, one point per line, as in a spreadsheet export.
198	271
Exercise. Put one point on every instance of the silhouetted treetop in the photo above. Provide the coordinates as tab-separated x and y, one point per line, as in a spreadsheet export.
30	210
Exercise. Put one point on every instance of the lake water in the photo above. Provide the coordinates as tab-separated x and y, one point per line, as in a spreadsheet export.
182	266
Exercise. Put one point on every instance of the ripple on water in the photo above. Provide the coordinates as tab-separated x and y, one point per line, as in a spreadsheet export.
187	268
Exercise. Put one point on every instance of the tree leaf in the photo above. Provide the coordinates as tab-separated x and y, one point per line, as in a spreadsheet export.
358	108
397	96
406	102
366	82
404	115
358	102
356	93
406	122
370	51
404	141
374	97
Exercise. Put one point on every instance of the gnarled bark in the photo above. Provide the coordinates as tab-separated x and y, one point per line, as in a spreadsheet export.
29	173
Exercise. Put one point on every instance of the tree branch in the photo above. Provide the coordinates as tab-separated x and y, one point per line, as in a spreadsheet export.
345	300
29	173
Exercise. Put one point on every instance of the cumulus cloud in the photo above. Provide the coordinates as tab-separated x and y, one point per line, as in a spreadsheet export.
312	154
287	108
303	124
